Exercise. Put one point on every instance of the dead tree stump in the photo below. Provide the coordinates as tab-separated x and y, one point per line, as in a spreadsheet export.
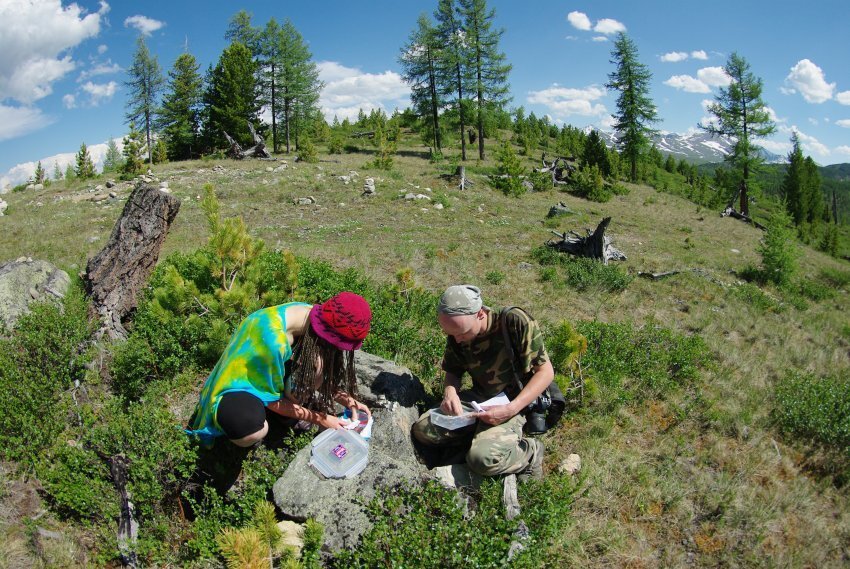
115	276
595	245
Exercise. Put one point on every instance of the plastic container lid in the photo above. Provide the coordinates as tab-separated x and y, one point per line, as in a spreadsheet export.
338	453
451	422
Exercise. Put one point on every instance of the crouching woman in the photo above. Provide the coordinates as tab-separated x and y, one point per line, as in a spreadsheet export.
294	359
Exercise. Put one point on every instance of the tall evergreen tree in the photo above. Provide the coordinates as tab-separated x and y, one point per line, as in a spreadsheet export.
145	85
487	63
132	165
298	84
39	175
453	69
741	113
635	109
815	207
57	172
112	161
179	118
231	95
794	183
84	166
418	61
595	153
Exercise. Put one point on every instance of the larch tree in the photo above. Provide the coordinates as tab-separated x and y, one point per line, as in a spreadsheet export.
487	64
112	161
298	84
145	85
453	69
635	110
740	113
418	61
179	119
84	168
39	175
793	186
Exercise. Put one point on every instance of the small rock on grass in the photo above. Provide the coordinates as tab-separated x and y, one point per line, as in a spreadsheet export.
571	465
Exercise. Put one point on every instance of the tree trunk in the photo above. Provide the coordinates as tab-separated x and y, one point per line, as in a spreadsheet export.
595	245
460	112
115	276
434	107
128	528
274	113
286	111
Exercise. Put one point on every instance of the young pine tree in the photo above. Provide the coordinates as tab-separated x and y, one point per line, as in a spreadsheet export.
511	171
84	166
39	175
113	161
132	166
57	172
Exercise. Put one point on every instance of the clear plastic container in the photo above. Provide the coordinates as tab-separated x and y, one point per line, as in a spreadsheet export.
339	453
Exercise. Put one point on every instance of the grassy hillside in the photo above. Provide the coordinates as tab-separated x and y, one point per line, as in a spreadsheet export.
698	474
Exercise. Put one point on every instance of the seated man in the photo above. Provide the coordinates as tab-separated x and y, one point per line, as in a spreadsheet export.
476	344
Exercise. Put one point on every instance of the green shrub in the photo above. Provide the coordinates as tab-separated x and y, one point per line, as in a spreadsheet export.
495	277
336	144
588	183
756	298
510	173
76	482
307	151
835	277
814	290
777	250
40	362
582	273
816	409
630	363
428	527
542	181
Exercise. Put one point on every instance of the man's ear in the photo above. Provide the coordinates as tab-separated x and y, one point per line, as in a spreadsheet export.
482	314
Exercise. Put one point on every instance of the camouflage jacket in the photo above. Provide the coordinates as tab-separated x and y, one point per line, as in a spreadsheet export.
488	361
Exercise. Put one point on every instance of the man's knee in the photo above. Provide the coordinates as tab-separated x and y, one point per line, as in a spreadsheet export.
423	431
488	460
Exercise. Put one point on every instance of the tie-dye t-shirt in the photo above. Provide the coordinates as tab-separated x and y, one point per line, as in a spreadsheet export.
254	362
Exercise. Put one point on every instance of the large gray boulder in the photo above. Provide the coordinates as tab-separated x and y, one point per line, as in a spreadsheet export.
25	281
392	393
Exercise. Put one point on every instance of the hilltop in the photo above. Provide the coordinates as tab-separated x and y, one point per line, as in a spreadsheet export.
699	474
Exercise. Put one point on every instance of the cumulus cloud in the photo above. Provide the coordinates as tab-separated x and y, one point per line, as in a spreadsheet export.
775	146
809	79
102	48
348	89
99	92
843	150
17	121
579	21
103	68
773	116
608	26
687	84
599	38
145	25
69	101
843	97
24	171
714	76
674	57
563	101
36	36
809	143
843	122
699	54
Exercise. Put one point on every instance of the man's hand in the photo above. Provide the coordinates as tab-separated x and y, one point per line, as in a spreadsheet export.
496	415
451	402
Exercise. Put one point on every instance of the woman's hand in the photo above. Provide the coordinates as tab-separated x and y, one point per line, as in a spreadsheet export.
331	422
352	404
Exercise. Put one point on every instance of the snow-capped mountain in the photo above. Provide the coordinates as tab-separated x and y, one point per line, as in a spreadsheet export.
695	147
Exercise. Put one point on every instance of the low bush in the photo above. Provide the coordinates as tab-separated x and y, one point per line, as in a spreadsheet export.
582	273
630	363
429	527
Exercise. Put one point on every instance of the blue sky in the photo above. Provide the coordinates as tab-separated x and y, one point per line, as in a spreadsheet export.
63	65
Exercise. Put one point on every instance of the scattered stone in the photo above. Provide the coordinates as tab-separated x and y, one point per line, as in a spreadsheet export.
571	465
25	281
110	184
559	209
369	187
99	188
38	204
428	190
525	266
3	206
218	168
93	239
309	200
412	196
735	251
113	195
481	208
341	504
269	169
281	168
292	536
38	187
163	184
529	187
344	179
438	206
353	174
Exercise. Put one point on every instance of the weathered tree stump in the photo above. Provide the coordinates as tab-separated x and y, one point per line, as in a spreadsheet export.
257	151
561	168
128	527
595	245
115	276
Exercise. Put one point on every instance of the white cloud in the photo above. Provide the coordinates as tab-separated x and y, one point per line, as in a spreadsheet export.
579	20
775	146
571	38
24	171
773	116
674	57
608	26
843	97
843	122
699	54
608	122
99	92
349	89
105	68
813	121
687	83
563	101
845	150
809	79
145	25
17	121
599	38
69	101
714	76
36	36
787	91
102	48
809	143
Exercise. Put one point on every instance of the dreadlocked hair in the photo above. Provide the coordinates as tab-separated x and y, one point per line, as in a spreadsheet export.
337	371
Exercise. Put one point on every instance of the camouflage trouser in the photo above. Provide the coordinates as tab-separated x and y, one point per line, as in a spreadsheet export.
494	450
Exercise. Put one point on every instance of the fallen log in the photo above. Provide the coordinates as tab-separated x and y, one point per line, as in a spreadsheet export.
363	134
117	274
128	527
595	245
730	212
257	151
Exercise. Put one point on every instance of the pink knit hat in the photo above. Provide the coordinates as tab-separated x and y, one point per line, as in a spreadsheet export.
343	320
